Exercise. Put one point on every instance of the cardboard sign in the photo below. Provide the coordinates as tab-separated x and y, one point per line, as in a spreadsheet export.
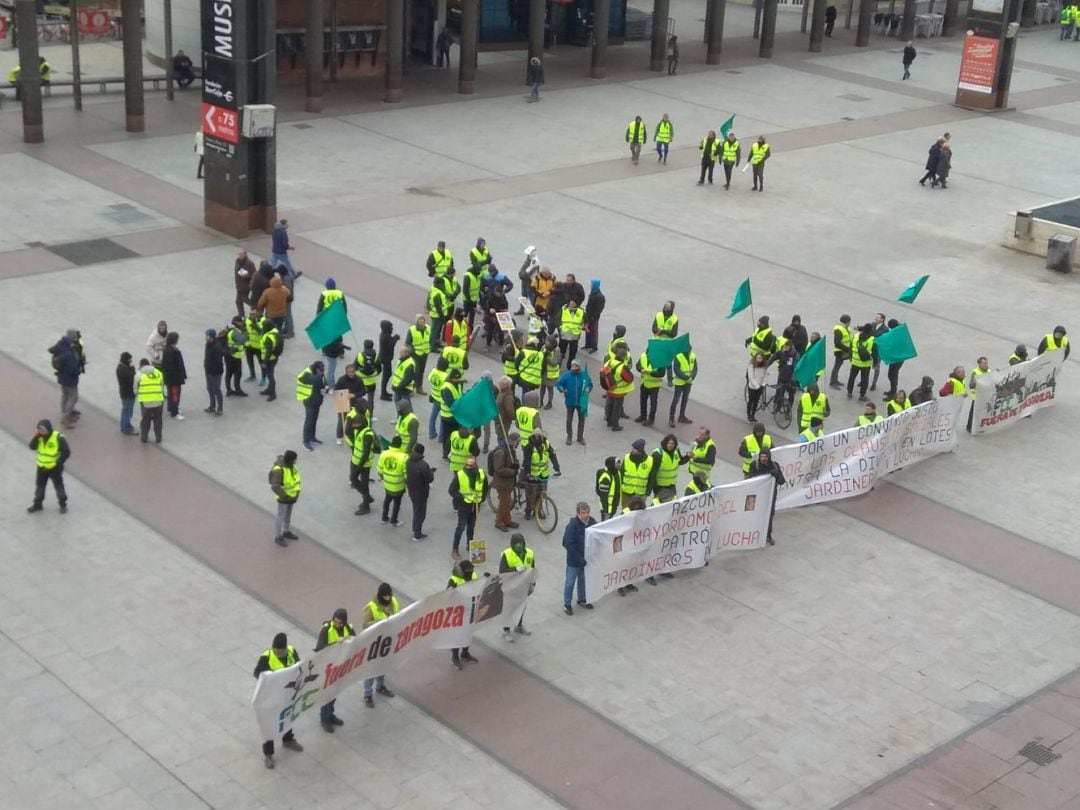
341	401
525	305
506	321
478	551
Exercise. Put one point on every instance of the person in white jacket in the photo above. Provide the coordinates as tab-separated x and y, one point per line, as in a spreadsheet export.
199	152
155	344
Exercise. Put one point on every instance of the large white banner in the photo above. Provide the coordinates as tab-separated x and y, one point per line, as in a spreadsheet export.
676	536
849	462
1004	397
441	621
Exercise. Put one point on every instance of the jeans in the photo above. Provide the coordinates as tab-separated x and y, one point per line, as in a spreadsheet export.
283	259
466	524
331	367
574	574
283	519
402	394
127	408
213	388
173	404
662	150
271	383
56	475
370	684
419	512
311	417
679	399
432	422
535	92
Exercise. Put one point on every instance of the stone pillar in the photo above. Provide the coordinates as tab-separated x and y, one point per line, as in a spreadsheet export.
768	30
948	25
661	12
716	31
76	67
537	13
29	78
817	26
395	48
601	23
805	14
866	19
907	24
313	56
1027	14
470	33
134	109
167	13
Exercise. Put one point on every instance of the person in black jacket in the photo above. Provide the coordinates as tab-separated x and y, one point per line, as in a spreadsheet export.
418	479
280	655
764	465
574	542
334	631
351	382
908	58
594	306
924	393
259	282
214	366
796	333
932	162
387	341
125	381
52	451
172	366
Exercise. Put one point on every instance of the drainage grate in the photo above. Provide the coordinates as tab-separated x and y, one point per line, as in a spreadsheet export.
854	97
1039	753
91	251
302	126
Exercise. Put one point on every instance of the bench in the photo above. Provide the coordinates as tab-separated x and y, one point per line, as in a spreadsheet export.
102	84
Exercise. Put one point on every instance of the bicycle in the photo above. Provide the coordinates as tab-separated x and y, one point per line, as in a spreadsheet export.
545	512
783	398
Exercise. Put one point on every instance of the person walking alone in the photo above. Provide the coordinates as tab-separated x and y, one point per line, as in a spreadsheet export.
285	484
214	369
52	453
908	58
536	78
672	56
636	135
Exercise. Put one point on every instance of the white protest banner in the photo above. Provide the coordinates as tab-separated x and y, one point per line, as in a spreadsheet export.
849	462
1004	397
676	536
441	621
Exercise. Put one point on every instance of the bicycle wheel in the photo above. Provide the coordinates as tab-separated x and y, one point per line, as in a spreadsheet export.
782	412
547	514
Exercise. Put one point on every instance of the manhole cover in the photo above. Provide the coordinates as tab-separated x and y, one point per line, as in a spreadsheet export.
1039	753
91	251
854	97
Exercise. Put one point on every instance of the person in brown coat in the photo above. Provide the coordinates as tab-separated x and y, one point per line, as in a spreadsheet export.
504	466
504	401
243	272
274	301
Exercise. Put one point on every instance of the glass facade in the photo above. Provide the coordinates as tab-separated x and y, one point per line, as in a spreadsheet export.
503	21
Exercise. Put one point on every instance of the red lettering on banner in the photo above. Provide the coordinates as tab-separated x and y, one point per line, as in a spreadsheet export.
844	486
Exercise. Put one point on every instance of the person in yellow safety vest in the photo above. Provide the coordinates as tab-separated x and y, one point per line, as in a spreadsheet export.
527	416
418	337
329	295
571	323
405	377
954	385
455	355
334	631
763	341
518	557
456	330
439	309
461	573
636	473
436	377
439	261
686	370
235	342
52	453
731	156
709	149
651	380
665	132
842	337
759	153
636	134
1065	19
361	438
898	403
621	379
511	359
552	366
150	394
608	487
462	445
537	459
982	367
406	426
272	345
253	344
667	458
450	287
391	470
813	403
285	484
368	368
44	72
1052	341
453	386
869	416
310	388
468	489
280	655
698	484
665	326
703	453
813	431
382	607
752	444
531	367
618	338
1076	21
863	355
473	279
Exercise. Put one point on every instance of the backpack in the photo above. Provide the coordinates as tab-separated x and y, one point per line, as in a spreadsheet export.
491	464
864	353
270	475
607	378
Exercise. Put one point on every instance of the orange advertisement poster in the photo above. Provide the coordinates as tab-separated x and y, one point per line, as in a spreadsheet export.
978	64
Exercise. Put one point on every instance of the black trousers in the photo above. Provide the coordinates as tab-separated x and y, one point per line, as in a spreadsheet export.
466	524
707	167
360	480
864	379
419	513
387	370
234	367
894	378
151	416
758	170
251	354
56	475
391	501
268	746
648	399
727	173
569	350
838	362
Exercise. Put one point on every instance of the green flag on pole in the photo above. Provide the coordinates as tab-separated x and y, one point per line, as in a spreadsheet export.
812	364
909	295
725	127
476	407
896	346
662	352
329	325
743	299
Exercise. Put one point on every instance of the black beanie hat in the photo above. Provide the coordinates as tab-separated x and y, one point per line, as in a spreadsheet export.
281	641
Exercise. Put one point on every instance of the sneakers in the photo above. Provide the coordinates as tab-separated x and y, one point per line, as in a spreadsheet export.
581	441
308	447
386	692
684	421
369	701
507	635
501	527
419	538
290	536
586	605
37	507
468	656
63	509
292	745
455	555
268	761
338	442
178	416
569	611
362	510
210	410
456	661
395	522
281	542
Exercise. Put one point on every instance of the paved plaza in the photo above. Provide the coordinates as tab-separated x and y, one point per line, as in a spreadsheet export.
893	652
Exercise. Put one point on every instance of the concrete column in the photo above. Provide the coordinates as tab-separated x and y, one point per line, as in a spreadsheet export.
313	56
470	33
866	19
76	67
167	13
716	31
29	78
948	25
395	45
805	14
661	12
1027	14
850	6
134	108
537	13
907	24
817	26
601	23
768	30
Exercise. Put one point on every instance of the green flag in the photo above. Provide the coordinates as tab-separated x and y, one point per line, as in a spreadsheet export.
725	127
329	325
742	300
662	352
895	346
812	364
909	295
476	407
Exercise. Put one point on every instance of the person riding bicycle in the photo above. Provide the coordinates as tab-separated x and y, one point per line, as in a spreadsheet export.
785	358
538	459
